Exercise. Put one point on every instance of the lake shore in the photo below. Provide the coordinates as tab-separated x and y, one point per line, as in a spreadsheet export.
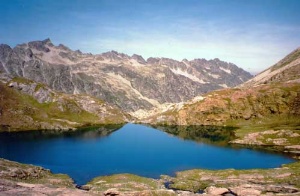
18	179
22	179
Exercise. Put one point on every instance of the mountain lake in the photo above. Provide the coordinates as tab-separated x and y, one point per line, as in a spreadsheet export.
138	149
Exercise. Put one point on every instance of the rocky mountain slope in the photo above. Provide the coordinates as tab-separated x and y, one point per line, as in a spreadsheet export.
273	93
286	70
129	82
27	105
222	107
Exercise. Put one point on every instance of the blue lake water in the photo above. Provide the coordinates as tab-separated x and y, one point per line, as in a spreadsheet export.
135	149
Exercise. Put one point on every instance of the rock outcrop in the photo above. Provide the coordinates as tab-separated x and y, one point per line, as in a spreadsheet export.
27	105
278	181
22	179
131	83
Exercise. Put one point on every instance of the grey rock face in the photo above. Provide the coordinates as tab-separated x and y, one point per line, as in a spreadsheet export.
131	83
39	45
2	69
114	55
63	47
5	51
139	58
152	60
40	93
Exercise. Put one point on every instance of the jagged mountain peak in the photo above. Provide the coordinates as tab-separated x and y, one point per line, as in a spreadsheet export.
185	60
40	45
114	55
129	82
138	58
47	41
78	51
63	47
4	46
215	59
4	51
46	45
153	60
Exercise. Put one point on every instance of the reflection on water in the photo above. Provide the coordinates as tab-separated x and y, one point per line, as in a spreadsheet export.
87	133
216	135
137	149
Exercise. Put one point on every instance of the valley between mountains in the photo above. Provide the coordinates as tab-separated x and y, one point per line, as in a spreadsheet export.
66	81
48	87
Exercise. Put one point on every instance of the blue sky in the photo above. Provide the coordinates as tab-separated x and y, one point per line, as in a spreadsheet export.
254	34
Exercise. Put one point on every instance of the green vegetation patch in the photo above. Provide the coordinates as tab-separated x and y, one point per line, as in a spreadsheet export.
62	111
124	182
22	80
195	180
20	111
275	122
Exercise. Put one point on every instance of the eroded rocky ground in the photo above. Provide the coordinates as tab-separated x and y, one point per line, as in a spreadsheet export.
278	181
22	179
284	140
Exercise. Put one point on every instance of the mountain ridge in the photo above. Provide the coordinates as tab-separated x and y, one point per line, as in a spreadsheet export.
129	82
274	94
286	70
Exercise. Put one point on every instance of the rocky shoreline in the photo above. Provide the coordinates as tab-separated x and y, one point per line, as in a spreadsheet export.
23	179
285	141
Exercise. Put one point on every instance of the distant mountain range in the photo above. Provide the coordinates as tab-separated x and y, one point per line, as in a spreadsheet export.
43	86
52	87
273	94
129	82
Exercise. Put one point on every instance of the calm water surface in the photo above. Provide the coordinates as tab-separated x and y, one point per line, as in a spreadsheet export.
136	149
